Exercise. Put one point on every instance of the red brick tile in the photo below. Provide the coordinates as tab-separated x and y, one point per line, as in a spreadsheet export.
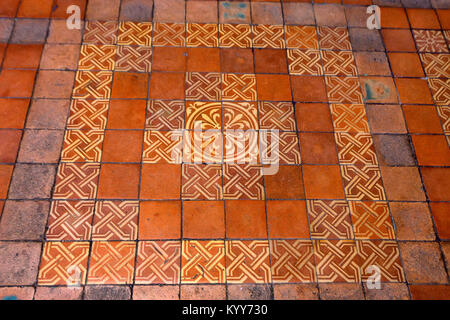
201	12
444	18
386	118
9	145
273	87
249	292
160	220
270	61
119	181
295	292
41	146
169	59
203	292
9	8
287	219
130	85
412	220
372	63
203	219
246	219
437	183
323	182
58	293
103	10
406	65
341	291
54	84
410	188
160	181
156	292
318	148
122	146
440	212
23	56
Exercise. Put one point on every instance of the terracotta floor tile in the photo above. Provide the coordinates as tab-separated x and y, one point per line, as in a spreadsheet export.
77	181
115	220
9	145
273	87
436	182
135	33
203	219
156	292
249	292
196	59
62	57
22	56
270	61
160	181
130	85
398	40
30	9
122	146
298	13
313	117
169	59
165	115
203	86
92	85
202	292
235	36
242	182
287	183
423	19
167	85
16	83
406	65
126	114
371	220
234	12
22	259
329	219
59	9
203	261
443	18
429	292
302	37
431	150
266	13
247	261
112	262
54	84
201	11
422	119
388	291
41	146
82	146
287	219
394	150
32	181
246	219
9	9
58	33
158	262
58	293
171	10
64	263
439	211
108	292
378	90
362	182
21	293
119	181
322	182
394	18
412	221
160	220
413	91
169	34
386	118
88	114
302	291
308	89
318	148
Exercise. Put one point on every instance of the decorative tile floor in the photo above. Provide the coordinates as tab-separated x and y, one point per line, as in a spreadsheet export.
97	200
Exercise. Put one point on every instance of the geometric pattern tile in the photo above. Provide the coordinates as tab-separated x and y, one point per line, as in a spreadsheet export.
202	147
135	33
203	86
289	152
247	261
92	85
70	220
112	262
371	220
235	35
444	114
162	147
355	148
77	181
268	36
165	115
202	182
169	34
82	146
239	87
88	114
133	59
240	146
441	91
349	118
97	57
203	261
158	262
334	38
99	32
240	115
64	263
203	115
362	182
339	63
436	65
202	35
329	219
292	261
302	37
430	41
276	115
115	220
243	182
344	90
307	62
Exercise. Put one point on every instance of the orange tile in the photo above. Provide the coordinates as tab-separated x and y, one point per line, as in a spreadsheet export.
437	183
169	59
236	60
23	56
444	18
313	117
440	212
431	150
160	181
203	219
167	85
413	91
430	292
394	18
318	148
17	83
308	89
423	18
60	7
160	220
122	146
13	113
9	8
287	183
5	178
196	59
246	219
406	65
130	85
323	182
273	87
398	40
119	181
422	119
126	114
9	145
35	9
270	61
287	219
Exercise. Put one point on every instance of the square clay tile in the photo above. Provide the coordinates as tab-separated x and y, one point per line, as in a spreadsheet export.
423	19
276	115
363	39
77	181
412	221
130	85
162	147
394	150
431	150
204	219
313	117
41	146
119	181
98	32
6	27
386	118
9	8
270	61
411	187
30	9
5	177
135	33
114	292
58	293
334	38
394	18
304	62
59	33
430	41
23	56
323	182
126	114
235	36
60	7
201	292
236	60
436	182
243	182
21	293
97	57
371	220
9	145
308	89
203	115
247	291
398	40
158	262
422	262
160	220
439	211
287	219
356	16
436	65
88	114
64	263
70	220
273	87
92	85
329	219
20	260
167	85
169	10
444	18
161	181
196	59
298	13
30	31
203	261
112	262
82	146
164	115
240	115
422	119
136	10
292	261
62	57
17	83
406	65
286	183
355	149
330	15
344	90
201	12
349	118
245	219
266	13
203	86
122	146
302	37
372	63
239	87
202	35
413	91
268	36
104	10
54	84
247	261
362	182
429	292
31	181
234	12
13	113
299	291
240	146
169	34
339	63
318	148
202	182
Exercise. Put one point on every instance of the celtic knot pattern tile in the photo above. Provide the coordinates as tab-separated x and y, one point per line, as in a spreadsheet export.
135	33
82	146
329	219
158	262
202	182
92	85
243	182
362	182
134	59
88	114
339	63
440	89
371	220
305	62
436	65
77	181
97	57
239	87
268	36
301	37
169	34
202	35
334	38
344	90
444	114
100	32
349	118
165	115
235	35
162	147
276	115
203	86
355	148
